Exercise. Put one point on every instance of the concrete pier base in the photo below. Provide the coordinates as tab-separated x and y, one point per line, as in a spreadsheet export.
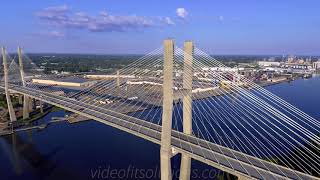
185	168
34	104
165	164
20	99
41	106
30	104
25	107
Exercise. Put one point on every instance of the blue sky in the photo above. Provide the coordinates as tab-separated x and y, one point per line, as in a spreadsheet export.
139	26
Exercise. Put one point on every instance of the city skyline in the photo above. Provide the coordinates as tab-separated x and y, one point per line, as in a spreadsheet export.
108	27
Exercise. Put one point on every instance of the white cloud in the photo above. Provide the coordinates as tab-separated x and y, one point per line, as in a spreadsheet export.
57	34
182	13
104	13
50	34
63	17
58	9
168	21
221	18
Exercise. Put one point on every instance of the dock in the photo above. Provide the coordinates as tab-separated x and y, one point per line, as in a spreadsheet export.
7	130
73	118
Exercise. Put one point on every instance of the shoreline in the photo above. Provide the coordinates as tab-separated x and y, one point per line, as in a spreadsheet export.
20	124
270	83
37	116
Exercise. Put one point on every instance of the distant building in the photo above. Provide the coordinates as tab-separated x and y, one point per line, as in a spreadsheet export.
97	76
316	65
300	61
268	63
69	81
65	72
55	72
290	59
304	66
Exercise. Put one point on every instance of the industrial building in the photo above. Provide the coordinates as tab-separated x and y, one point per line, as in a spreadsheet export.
98	76
268	63
66	81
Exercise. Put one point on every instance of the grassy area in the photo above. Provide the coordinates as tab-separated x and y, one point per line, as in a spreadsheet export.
3	101
15	103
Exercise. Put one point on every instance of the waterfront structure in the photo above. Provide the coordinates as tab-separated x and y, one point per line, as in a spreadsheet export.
301	66
268	63
102	76
68	81
316	65
290	64
244	164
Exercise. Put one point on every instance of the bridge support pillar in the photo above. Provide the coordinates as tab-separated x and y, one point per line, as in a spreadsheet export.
34	104
41	106
20	99
118	83
25	107
118	78
165	152
30	104
6	87
185	167
25	98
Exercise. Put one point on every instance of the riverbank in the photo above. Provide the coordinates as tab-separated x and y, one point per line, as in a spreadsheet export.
8	128
91	145
270	83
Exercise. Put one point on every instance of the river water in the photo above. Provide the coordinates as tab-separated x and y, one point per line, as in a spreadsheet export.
91	150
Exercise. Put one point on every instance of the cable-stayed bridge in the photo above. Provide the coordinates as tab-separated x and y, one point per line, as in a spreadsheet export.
188	103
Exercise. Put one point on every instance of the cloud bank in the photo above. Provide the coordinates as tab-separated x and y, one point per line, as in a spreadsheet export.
62	16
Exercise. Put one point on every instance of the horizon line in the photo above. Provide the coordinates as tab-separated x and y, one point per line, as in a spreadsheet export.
211	54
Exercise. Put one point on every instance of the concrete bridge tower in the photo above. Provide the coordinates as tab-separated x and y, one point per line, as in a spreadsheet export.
165	151
26	99
118	83
185	167
6	87
118	78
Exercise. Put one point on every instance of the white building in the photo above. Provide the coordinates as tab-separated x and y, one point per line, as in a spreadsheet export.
268	63
69	81
316	65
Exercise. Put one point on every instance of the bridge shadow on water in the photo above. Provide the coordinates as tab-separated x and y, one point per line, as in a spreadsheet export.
88	150
28	162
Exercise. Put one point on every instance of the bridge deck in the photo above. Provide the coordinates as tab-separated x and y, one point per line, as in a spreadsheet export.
223	158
